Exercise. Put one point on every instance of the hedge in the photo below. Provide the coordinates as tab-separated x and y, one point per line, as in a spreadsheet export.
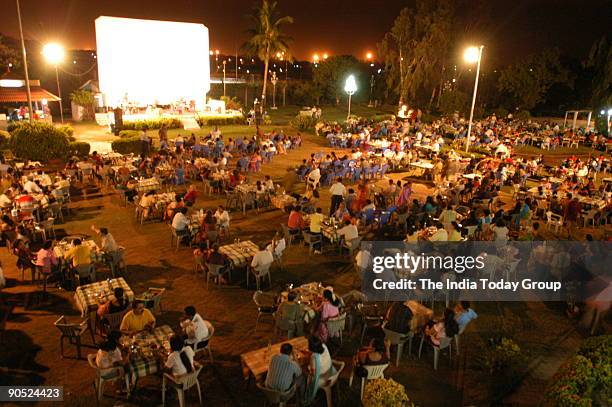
382	117
171	122
131	145
80	148
5	137
303	123
39	141
219	120
129	133
586	379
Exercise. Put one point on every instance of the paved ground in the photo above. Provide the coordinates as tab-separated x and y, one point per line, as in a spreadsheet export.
30	345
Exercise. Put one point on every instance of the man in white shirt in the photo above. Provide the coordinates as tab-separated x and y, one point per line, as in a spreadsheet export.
194	325
362	260
222	216
268	184
262	259
277	246
180	220
107	243
5	200
313	178
348	231
31	187
338	192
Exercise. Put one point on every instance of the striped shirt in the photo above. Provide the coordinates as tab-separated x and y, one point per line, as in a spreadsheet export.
281	372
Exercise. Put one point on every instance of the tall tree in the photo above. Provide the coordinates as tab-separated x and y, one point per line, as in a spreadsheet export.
599	63
8	55
416	49
528	81
267	37
330	75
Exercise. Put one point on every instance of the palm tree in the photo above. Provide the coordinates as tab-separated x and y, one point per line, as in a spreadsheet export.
266	37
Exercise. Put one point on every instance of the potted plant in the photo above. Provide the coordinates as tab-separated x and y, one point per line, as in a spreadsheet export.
385	393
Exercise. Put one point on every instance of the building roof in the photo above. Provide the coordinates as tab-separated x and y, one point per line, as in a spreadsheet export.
13	95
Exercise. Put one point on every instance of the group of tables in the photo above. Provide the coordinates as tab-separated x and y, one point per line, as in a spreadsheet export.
255	363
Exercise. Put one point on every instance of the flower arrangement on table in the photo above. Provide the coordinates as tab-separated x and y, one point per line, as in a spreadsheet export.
385	393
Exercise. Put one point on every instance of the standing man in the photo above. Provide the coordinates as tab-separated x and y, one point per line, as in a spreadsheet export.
144	141
337	191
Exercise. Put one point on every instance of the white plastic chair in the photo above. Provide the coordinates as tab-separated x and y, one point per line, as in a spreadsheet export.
101	379
182	383
444	343
374	372
336	325
260	273
399	339
276	397
200	348
554	220
331	381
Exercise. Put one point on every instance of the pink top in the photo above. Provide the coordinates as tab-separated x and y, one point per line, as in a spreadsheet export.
45	259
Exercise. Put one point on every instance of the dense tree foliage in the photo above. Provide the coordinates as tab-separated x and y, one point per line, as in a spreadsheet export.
529	80
330	76
599	65
267	37
8	55
417	48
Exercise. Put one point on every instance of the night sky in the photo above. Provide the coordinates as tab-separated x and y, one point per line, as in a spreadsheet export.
510	29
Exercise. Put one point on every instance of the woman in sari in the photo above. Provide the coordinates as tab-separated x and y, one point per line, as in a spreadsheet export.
328	309
404	195
320	368
363	193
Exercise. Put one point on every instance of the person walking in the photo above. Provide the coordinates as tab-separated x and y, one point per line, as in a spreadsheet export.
337	191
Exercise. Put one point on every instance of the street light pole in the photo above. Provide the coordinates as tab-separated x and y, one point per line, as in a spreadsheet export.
274	79
224	78
59	93
467	143
350	87
25	64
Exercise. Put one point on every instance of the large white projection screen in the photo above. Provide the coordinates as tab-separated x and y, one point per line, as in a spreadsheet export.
152	62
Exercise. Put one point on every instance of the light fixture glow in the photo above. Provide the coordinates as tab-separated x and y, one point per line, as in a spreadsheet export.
369	56
325	56
126	45
471	55
315	58
53	53
350	86
609	112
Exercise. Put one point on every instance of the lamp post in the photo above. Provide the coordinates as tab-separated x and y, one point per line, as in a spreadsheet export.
54	54
274	80
350	87
609	114
224	62
471	55
25	63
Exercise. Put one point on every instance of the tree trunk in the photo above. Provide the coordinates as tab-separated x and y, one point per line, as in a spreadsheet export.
401	70
265	81
433	95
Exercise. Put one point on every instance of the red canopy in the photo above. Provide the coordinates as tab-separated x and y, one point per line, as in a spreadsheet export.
14	95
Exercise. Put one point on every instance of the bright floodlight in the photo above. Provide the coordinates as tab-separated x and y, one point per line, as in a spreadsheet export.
369	56
152	62
350	86
53	53
471	55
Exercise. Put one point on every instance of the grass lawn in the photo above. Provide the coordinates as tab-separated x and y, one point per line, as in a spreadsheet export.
91	132
560	151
